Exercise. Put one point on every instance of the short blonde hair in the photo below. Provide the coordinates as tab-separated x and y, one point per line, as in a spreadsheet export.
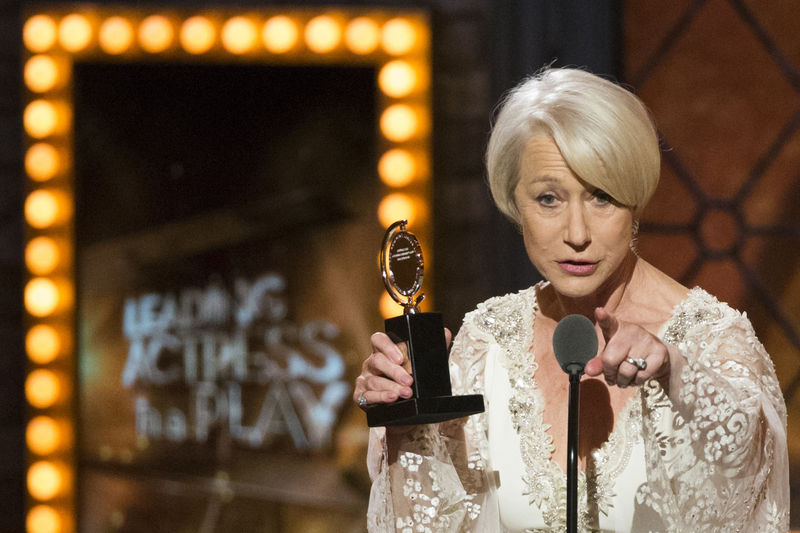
604	132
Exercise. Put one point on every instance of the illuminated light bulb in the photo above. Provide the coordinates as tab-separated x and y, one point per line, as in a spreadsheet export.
280	34
42	344
42	256
43	435
42	388
362	35
239	35
39	33
197	35
42	297
41	73
74	32
41	209
388	307
42	162
43	519
396	206
45	208
116	35
397	168
155	34
323	34
45	480
399	123
398	36
397	79
40	119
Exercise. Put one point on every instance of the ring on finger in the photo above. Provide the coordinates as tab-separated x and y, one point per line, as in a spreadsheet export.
362	400
638	362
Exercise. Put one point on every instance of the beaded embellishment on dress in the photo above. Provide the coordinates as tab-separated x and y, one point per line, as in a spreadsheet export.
510	321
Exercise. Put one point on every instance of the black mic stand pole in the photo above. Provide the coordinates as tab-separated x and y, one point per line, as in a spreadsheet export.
574	344
572	448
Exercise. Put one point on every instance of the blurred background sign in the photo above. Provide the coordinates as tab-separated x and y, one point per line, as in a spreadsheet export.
214	187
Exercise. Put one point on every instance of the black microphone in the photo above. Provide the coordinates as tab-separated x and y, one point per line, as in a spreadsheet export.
574	343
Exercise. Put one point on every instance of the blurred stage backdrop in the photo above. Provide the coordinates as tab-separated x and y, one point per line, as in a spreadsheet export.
204	190
203	234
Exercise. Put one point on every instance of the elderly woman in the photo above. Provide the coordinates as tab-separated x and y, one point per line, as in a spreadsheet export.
692	440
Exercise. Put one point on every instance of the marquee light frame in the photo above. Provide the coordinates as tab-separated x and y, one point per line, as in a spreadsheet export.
397	42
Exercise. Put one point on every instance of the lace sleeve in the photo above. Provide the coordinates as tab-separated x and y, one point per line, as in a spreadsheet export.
432	478
716	448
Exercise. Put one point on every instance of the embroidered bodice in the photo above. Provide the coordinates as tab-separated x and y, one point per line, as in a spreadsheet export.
511	382
712	457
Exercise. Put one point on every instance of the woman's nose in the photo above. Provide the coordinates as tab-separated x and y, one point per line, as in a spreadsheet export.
577	232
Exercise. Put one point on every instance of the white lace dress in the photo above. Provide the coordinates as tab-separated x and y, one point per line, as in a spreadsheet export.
712	459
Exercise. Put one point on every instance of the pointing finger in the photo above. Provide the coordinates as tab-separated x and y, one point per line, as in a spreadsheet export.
594	367
607	322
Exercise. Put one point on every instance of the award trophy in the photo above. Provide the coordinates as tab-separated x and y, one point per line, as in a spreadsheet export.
432	400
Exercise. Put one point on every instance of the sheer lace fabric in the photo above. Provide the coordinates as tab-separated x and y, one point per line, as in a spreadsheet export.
711	457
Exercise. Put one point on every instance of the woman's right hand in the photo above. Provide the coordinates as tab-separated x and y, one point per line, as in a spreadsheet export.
385	376
386	373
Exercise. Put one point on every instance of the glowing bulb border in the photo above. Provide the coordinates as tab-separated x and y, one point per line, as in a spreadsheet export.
62	181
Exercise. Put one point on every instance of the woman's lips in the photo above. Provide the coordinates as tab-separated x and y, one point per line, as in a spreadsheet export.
577	268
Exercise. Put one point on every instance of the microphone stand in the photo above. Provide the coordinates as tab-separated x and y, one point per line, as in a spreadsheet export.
572	448
574	344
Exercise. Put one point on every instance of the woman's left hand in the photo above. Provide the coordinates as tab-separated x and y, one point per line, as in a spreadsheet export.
627	345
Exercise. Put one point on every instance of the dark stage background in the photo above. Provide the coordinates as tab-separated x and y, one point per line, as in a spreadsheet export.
221	198
722	78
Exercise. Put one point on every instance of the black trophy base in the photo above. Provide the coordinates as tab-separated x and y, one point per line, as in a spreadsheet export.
427	410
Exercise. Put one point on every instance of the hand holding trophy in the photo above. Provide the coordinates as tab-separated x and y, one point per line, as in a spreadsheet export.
402	268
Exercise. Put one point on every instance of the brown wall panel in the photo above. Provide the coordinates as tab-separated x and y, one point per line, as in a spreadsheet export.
722	79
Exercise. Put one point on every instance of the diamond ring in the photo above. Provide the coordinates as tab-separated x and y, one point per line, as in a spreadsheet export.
639	363
362	401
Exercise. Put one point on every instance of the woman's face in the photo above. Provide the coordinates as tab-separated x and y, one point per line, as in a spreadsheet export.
576	235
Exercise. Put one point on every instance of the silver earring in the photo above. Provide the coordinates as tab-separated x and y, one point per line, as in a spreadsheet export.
635	237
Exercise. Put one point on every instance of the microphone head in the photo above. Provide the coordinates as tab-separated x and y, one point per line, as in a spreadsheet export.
574	343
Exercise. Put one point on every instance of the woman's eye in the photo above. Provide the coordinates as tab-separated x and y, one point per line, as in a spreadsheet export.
602	197
546	199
